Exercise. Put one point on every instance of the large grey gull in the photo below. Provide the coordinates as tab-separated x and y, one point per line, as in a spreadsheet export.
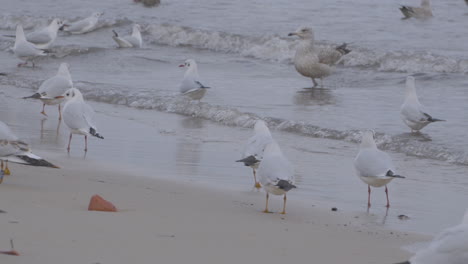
312	62
191	85
424	11
373	166
51	90
24	49
45	37
253	150
276	174
412	112
78	116
131	41
449	247
14	150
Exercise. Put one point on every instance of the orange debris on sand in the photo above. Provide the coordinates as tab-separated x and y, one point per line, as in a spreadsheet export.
97	203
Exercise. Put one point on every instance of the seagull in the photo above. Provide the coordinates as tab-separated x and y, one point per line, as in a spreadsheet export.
412	112
83	26
276	173
24	49
424	11
78	116
14	150
191	85
51	90
448	247
373	166
311	62
45	37
132	41
253	150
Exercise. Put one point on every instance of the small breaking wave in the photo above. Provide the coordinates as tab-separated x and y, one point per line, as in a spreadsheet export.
233	117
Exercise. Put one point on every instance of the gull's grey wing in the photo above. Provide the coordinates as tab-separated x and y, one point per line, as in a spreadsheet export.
373	163
39	37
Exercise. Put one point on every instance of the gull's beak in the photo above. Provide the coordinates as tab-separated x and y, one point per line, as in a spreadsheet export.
182	65
292	34
59	97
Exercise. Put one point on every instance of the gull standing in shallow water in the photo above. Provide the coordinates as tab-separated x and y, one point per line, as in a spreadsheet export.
45	37
276	174
83	26
14	150
24	49
191	85
132	41
51	90
448	247
424	11
78	116
311	62
373	166
412	111
253	151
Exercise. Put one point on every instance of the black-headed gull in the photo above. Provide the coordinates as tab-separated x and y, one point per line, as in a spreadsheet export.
78	116
449	247
51	90
24	49
131	41
253	150
421	12
84	25
373	166
191	85
311	62
14	150
45	37
412	112
276	174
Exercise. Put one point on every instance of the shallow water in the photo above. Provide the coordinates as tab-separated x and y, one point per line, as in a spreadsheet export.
244	55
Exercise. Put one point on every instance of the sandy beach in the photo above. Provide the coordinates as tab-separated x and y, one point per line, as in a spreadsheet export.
168	213
172	222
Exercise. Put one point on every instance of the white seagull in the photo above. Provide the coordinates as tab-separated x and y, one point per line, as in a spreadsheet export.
253	150
78	116
422	12
45	37
276	173
311	62
132	41
24	49
413	113
191	85
448	247
83	26
14	150
51	90
373	166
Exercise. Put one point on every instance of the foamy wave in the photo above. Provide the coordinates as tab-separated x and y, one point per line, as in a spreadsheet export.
233	117
276	48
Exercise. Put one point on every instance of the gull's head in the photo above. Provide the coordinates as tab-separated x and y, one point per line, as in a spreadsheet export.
261	128
64	68
410	87
20	32
57	23
303	33
190	63
368	139
97	14
136	27
73	94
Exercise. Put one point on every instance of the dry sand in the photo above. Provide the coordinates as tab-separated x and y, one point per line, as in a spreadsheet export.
163	221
